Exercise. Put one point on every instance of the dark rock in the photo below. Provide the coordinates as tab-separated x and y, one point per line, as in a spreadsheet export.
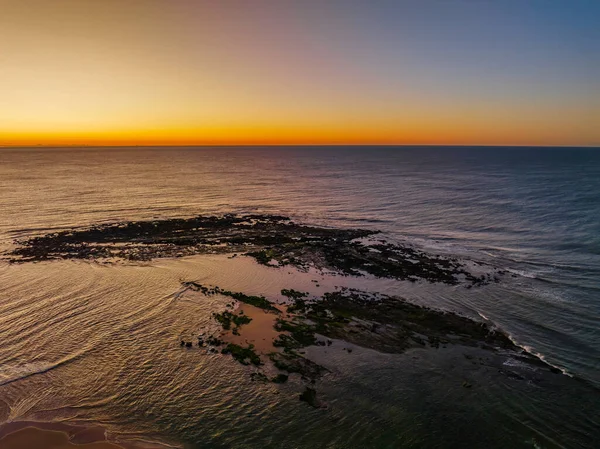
214	341
310	397
259	377
293	362
266	238
244	355
280	378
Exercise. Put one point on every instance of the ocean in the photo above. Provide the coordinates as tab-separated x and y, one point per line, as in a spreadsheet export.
92	342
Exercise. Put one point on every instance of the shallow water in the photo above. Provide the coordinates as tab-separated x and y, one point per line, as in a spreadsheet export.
91	342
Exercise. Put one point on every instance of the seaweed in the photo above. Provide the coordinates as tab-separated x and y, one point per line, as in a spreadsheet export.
253	300
256	301
271	240
301	334
299	299
293	294
244	355
227	318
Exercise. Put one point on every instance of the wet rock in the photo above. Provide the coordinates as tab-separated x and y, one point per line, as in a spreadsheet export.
227	319
300	334
257	301
376	321
309	395
279	379
214	341
511	374
244	355
271	240
293	362
259	377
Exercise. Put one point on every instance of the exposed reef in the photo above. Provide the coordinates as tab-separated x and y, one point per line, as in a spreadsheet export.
257	301
244	355
386	323
383	323
272	240
226	319
309	395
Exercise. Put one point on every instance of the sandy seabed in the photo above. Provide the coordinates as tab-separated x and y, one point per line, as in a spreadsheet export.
31	435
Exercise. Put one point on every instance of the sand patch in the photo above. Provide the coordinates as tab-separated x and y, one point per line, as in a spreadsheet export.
259	332
34	438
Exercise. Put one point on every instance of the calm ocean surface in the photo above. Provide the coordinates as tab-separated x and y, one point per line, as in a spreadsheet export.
532	211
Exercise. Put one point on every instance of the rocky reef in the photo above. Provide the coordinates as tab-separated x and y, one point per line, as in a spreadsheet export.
272	240
379	322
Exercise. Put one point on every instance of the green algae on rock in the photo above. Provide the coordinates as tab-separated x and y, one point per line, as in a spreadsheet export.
257	301
272	240
379	322
244	355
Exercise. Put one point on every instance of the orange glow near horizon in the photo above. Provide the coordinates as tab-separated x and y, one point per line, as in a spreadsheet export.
216	73
230	135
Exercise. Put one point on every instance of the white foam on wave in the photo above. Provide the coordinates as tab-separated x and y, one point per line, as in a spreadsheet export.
539	355
553	296
514	363
487	253
437	245
12	373
483	316
522	273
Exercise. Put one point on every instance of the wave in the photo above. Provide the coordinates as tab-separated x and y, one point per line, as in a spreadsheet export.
526	348
9	374
483	316
523	273
539	355
437	245
514	363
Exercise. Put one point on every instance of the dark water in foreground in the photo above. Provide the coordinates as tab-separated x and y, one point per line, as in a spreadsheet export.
95	343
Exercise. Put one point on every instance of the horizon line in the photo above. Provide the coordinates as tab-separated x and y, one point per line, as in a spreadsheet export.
254	145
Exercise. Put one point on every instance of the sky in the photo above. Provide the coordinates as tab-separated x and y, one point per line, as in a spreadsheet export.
195	72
